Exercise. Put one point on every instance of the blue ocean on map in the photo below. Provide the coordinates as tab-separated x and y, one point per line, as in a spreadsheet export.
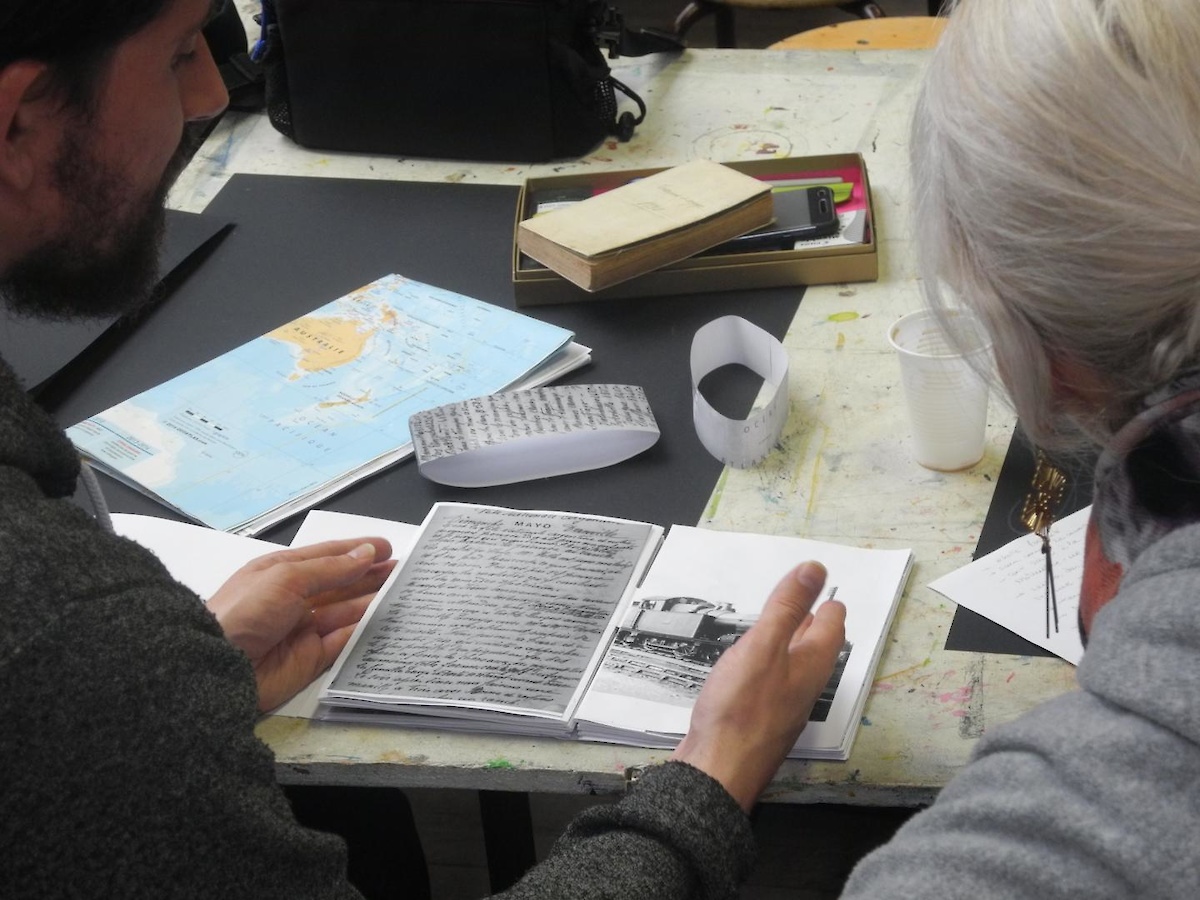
312	401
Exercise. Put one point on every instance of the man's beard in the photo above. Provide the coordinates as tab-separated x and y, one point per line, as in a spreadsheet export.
98	266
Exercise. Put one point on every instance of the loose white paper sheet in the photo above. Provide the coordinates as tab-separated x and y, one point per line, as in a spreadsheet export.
731	339
521	435
324	525
1008	586
203	558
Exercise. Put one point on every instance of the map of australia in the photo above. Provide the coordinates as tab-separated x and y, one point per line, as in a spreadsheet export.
323	343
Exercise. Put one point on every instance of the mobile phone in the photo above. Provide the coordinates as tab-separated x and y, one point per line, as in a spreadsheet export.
800	214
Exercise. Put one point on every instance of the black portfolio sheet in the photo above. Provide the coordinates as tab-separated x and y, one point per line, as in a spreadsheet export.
37	349
969	630
300	242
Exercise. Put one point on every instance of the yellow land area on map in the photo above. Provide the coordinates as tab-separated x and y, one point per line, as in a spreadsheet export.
323	343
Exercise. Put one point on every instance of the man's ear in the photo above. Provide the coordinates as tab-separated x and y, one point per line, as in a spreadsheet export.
26	112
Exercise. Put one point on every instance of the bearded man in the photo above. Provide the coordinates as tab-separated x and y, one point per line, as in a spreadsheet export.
127	705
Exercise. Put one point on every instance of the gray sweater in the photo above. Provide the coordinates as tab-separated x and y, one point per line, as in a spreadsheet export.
129	762
1095	794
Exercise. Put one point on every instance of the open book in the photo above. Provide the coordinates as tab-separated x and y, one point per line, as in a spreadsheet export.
280	423
575	626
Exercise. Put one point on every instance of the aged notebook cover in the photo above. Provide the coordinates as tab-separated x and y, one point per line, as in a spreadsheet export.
648	223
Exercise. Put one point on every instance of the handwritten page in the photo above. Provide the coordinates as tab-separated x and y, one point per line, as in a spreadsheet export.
519	435
495	609
1008	586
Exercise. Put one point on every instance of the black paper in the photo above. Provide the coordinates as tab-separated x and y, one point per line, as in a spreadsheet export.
37	349
970	631
301	242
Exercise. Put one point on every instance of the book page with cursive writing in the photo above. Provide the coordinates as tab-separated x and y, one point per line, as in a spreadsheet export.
495	609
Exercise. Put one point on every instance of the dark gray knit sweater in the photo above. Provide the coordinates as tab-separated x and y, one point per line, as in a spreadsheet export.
128	761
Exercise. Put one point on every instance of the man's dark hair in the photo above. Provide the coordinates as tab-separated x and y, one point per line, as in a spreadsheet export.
75	37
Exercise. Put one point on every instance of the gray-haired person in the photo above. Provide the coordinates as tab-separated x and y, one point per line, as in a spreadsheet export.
1056	170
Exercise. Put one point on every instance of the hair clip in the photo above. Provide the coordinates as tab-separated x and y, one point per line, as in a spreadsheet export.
1041	506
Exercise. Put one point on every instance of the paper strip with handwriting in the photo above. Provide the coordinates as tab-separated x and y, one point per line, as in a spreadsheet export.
519	435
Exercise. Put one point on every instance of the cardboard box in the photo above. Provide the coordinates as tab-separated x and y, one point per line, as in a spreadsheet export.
700	274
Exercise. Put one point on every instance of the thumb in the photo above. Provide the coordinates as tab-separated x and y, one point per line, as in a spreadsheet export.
792	599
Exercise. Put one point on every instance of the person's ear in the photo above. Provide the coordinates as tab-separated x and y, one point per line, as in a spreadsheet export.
1077	386
25	115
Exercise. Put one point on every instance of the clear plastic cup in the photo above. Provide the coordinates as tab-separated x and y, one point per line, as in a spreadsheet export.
944	386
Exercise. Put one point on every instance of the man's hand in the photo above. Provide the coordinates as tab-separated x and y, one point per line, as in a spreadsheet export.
292	612
760	693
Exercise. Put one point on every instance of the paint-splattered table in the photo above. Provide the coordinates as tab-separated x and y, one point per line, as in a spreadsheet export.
844	471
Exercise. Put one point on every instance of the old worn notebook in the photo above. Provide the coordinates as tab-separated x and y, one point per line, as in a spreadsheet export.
645	224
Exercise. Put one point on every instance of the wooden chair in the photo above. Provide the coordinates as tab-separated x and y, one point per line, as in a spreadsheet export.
891	33
722	10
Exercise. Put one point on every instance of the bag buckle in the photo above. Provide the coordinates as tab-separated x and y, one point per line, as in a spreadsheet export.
607	28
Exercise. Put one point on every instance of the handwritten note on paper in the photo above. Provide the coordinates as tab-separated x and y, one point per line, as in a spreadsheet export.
1008	586
519	435
495	608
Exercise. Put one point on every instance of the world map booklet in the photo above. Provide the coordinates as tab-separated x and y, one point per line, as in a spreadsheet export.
577	626
280	423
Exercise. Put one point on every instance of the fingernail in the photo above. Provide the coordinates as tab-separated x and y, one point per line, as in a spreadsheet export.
810	575
363	551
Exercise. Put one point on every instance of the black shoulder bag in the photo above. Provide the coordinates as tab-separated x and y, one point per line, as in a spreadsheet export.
512	80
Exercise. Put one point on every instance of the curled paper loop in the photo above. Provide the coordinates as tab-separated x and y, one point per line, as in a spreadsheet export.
522	435
731	339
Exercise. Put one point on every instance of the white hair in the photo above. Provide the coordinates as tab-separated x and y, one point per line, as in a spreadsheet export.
1056	177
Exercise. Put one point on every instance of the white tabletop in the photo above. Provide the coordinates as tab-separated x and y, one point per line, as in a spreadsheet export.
844	472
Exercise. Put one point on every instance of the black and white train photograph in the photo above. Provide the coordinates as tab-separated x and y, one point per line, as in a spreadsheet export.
665	648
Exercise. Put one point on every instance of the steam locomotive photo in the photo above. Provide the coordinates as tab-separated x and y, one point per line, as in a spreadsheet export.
696	631
683	628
